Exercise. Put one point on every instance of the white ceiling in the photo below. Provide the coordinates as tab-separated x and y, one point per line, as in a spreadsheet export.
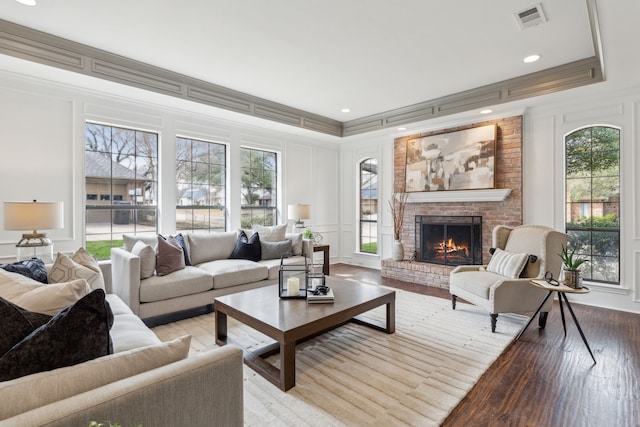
320	56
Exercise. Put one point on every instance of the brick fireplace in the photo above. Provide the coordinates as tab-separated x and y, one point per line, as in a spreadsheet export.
508	175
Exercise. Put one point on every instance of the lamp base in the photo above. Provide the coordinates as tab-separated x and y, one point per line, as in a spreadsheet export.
44	252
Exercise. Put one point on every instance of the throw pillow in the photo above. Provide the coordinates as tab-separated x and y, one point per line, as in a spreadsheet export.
76	334
169	256
17	323
296	242
34	296
276	250
212	246
34	391
32	268
247	248
508	264
273	233
183	243
147	257
81	265
129	240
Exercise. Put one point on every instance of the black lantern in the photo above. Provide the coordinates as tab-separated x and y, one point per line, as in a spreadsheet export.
292	280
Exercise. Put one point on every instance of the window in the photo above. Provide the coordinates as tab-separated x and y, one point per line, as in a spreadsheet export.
259	181
201	185
369	206
122	166
593	200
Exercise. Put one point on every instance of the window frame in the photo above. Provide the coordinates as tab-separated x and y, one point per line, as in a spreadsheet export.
574	230
248	215
362	221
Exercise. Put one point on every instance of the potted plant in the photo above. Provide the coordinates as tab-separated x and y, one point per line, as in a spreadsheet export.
396	206
571	264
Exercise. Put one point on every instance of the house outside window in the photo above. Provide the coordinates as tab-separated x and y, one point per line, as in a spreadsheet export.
201	185
259	187
369	206
122	166
593	200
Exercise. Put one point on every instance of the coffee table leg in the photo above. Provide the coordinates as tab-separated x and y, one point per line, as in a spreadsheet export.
221	328
287	366
391	317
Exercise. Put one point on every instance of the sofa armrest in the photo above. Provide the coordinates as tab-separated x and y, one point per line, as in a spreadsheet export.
125	277
203	390
517	295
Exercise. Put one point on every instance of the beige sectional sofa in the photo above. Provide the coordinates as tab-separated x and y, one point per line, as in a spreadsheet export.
211	274
144	382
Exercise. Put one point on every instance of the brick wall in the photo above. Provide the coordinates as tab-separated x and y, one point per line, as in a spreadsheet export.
508	174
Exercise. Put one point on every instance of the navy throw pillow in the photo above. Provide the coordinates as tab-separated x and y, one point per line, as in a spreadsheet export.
32	268
247	248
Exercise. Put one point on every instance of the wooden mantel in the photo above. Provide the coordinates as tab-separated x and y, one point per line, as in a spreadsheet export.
495	195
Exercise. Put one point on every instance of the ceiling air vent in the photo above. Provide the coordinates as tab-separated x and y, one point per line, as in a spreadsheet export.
530	17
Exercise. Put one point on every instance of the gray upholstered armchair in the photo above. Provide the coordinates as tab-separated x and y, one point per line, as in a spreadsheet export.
499	287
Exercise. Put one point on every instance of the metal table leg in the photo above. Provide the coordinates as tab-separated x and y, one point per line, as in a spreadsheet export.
584	339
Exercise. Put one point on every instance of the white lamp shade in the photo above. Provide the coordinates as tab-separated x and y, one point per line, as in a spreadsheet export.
299	211
33	215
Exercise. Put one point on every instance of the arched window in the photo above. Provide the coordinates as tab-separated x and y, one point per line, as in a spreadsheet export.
369	206
593	200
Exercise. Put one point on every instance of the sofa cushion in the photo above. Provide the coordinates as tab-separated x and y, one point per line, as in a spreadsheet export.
147	255
247	248
296	242
34	296
76	334
169	256
508	264
232	272
276	250
128	331
189	280
80	265
274	265
33	391
129	240
272	233
211	246
32	268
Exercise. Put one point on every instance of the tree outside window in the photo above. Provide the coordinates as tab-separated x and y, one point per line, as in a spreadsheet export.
259	182
593	200
121	179
200	185
369	206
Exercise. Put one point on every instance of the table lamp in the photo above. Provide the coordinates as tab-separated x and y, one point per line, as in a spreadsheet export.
34	216
299	212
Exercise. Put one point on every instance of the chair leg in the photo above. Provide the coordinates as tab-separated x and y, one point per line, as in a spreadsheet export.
494	320
453	301
542	319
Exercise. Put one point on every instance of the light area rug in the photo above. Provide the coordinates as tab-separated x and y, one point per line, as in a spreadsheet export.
355	375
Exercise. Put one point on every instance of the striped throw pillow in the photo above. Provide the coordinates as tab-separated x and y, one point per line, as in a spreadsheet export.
507	264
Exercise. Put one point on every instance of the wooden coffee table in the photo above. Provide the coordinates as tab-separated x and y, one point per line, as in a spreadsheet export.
290	321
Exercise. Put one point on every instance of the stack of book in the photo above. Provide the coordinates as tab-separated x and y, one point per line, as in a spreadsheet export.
320	297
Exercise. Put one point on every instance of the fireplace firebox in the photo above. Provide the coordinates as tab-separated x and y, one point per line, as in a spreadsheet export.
449	240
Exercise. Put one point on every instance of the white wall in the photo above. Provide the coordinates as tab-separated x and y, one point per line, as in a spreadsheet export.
42	140
544	128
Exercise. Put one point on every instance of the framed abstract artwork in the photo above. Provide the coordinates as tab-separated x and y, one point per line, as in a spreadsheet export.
460	160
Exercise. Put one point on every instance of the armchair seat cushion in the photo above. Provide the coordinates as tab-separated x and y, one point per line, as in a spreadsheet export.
477	282
188	281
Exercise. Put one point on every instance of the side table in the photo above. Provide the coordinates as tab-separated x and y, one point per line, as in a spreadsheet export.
325	251
562	291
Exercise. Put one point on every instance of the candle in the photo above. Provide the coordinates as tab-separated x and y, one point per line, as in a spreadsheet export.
293	286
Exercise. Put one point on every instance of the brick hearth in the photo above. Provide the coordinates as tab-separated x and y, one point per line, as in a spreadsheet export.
508	169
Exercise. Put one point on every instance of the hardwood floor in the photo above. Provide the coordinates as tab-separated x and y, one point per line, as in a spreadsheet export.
546	379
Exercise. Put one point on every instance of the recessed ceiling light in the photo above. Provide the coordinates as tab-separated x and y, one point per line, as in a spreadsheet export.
487	111
402	128
27	2
531	58
346	110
